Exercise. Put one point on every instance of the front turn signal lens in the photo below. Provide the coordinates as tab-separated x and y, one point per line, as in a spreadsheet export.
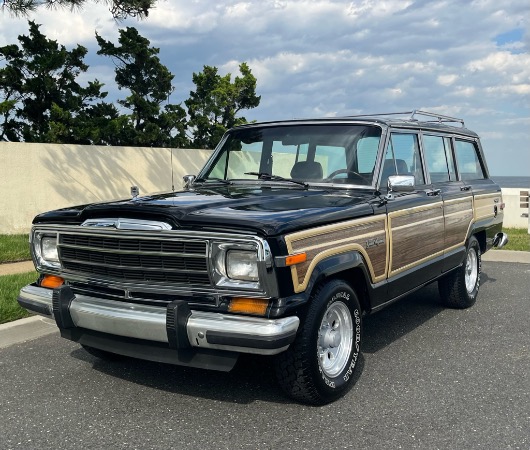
255	306
295	259
51	281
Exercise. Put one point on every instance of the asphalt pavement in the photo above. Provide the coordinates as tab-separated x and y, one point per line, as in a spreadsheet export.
429	378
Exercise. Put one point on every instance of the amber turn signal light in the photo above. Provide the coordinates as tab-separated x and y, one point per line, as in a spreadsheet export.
51	281
256	306
295	259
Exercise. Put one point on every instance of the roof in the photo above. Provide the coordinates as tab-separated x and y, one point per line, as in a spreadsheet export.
415	119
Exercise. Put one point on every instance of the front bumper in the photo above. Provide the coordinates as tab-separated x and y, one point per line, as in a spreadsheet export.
176	327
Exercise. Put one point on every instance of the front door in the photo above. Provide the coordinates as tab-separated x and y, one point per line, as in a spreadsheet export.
415	220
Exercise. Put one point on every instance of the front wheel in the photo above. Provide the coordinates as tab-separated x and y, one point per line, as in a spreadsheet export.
318	367
459	289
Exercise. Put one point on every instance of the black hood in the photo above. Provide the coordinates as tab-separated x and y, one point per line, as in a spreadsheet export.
267	210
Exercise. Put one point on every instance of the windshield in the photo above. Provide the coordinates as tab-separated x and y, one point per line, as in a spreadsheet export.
319	153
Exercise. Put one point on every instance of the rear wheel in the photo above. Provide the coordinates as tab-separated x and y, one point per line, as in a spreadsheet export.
318	367
459	289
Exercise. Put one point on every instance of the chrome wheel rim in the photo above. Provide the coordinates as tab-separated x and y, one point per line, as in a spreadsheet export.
335	339
471	270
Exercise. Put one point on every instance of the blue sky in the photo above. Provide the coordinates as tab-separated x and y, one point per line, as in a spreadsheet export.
316	58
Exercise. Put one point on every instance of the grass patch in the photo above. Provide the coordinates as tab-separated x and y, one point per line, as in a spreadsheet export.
518	239
14	247
10	286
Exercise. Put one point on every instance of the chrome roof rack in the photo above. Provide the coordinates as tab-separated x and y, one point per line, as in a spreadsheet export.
416	112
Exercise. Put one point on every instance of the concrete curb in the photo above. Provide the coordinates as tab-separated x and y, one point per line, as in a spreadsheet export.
24	330
507	256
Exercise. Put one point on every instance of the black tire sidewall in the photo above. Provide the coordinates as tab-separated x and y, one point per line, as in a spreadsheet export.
333	292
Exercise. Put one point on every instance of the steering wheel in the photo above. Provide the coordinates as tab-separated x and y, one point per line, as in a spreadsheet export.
347	171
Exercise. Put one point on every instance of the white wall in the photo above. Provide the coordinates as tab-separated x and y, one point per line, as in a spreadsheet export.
40	177
513	212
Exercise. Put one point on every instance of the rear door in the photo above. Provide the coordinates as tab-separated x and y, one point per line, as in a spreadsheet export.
456	195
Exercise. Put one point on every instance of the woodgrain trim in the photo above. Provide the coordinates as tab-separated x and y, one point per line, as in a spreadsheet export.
484	204
409	246
329	240
459	216
449	222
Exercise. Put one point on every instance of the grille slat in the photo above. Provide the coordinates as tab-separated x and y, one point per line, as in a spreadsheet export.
135	260
134	244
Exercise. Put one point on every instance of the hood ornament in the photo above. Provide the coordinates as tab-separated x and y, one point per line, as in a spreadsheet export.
135	192
120	223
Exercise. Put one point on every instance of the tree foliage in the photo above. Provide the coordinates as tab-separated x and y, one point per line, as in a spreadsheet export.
216	101
120	9
38	90
42	101
139	70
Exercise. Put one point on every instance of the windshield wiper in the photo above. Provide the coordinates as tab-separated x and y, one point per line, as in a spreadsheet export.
268	176
219	180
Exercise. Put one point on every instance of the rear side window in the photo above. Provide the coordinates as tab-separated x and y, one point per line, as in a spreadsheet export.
439	158
468	161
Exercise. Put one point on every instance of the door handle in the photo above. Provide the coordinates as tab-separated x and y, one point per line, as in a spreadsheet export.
465	188
433	192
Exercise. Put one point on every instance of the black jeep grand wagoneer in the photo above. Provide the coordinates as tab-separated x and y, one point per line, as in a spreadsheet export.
290	234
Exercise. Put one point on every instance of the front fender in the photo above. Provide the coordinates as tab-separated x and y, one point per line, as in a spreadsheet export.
328	267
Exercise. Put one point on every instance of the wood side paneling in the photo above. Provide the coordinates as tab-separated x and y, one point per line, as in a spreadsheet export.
389	246
484	205
458	219
368	236
416	234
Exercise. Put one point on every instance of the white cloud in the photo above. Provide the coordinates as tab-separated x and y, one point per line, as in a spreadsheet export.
333	57
447	80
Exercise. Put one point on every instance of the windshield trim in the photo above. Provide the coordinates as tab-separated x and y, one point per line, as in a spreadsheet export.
212	160
287	184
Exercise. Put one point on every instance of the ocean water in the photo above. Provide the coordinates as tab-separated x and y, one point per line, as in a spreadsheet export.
512	182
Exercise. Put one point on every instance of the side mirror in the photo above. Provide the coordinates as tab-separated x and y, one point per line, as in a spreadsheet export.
399	184
188	180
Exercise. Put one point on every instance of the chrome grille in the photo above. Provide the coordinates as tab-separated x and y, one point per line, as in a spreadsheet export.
134	244
134	259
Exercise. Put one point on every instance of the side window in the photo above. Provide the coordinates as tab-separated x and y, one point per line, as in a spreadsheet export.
439	158
403	158
468	161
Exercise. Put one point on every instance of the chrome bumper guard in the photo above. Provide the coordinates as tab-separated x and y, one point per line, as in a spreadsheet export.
204	330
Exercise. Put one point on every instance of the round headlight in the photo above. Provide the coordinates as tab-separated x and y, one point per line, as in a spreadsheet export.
242	265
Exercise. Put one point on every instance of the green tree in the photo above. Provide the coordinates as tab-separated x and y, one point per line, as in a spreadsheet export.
40	99
216	101
139	70
120	9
